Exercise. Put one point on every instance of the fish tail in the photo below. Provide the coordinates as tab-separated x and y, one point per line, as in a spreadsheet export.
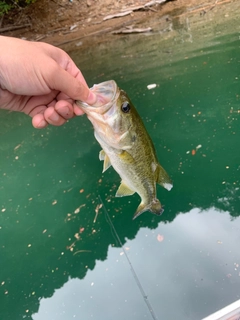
154	207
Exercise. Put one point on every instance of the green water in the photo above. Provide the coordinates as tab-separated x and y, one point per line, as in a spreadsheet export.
60	256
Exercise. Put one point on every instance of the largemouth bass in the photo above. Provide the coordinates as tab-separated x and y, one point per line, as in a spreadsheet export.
126	146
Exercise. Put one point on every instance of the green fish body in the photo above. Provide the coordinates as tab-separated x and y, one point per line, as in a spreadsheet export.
126	146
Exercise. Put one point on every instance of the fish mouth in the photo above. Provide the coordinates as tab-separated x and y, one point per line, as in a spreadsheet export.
106	93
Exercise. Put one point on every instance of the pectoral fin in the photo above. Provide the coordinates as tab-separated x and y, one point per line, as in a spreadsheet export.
107	163
126	157
102	155
124	190
162	178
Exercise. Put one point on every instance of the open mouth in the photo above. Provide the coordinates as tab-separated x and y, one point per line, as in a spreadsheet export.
105	92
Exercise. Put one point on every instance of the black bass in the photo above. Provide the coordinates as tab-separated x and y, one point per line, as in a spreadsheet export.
126	146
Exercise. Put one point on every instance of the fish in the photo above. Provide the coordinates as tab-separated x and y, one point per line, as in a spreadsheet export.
126	146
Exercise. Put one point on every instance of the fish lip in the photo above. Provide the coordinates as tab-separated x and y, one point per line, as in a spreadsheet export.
107	93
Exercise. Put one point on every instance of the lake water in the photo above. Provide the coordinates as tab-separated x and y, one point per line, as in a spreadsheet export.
69	249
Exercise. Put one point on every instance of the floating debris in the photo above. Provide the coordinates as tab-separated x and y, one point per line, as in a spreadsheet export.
160	238
18	146
77	236
99	206
151	86
79	208
193	152
80	251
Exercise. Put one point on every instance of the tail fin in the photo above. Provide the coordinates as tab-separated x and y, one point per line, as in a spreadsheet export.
154	207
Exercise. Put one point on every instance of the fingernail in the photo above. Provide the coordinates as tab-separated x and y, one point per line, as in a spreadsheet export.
92	98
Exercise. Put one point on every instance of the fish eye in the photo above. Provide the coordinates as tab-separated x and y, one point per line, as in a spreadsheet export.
125	107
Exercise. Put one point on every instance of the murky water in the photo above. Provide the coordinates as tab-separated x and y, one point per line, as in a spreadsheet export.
61	228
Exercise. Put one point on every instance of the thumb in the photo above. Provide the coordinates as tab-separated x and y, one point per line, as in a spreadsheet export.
63	81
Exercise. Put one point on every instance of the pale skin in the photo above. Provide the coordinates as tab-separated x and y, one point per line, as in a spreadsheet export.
42	81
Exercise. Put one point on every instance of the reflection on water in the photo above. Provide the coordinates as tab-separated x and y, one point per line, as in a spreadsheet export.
60	258
194	249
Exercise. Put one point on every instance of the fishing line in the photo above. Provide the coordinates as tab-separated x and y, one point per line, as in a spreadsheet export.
140	287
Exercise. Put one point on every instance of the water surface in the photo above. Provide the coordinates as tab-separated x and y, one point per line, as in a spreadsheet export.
69	248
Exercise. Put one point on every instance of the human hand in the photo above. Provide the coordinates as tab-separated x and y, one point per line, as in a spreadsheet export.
40	80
